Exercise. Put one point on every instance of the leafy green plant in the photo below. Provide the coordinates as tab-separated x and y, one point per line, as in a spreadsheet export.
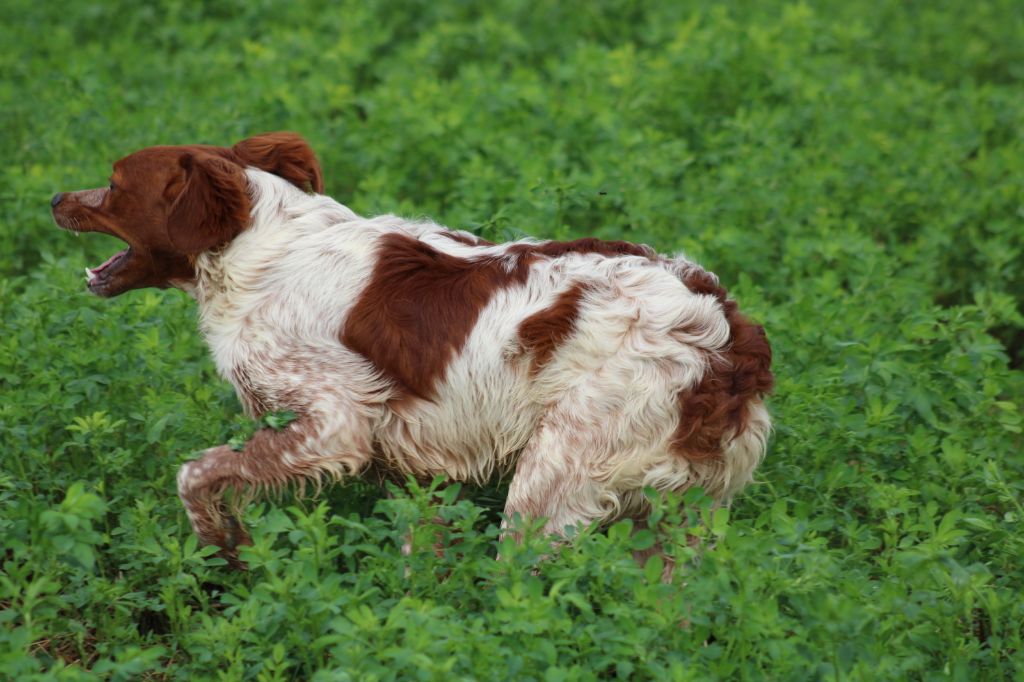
852	172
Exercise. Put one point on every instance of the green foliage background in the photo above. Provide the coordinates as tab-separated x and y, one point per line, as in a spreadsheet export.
852	170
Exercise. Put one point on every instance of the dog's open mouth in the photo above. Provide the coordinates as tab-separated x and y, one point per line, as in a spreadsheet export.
101	273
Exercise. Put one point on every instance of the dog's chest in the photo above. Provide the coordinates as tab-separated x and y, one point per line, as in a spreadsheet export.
268	352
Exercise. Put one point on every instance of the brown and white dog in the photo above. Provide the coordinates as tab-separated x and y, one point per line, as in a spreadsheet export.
592	369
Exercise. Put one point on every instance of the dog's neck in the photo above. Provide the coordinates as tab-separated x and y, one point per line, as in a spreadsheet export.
253	282
280	213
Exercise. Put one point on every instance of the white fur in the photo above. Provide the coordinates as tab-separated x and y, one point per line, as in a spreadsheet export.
585	435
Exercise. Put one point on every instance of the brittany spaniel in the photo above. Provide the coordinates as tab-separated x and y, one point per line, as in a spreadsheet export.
592	369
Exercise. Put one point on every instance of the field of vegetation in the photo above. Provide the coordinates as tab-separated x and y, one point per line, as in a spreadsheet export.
853	171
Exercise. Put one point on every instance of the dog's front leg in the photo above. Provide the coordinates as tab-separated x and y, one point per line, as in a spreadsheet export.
307	448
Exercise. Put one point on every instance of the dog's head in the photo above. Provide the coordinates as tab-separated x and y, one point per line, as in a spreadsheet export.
170	204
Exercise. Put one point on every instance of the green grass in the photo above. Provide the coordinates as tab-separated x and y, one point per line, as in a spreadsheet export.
852	170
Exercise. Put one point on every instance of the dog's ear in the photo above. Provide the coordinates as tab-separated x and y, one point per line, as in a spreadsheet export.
211	207
285	154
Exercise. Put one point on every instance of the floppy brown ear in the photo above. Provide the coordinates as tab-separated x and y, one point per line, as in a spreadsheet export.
285	154
212	207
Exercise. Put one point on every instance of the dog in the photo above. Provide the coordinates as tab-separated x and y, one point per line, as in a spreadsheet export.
588	369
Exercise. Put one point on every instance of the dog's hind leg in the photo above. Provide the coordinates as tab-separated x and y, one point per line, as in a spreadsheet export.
307	449
597	448
559	476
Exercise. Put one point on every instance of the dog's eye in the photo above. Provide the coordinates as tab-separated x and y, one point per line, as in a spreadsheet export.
111	185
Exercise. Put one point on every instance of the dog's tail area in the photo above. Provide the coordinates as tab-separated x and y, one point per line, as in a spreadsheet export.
722	417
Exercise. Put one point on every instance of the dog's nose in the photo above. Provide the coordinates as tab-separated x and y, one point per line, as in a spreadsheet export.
57	198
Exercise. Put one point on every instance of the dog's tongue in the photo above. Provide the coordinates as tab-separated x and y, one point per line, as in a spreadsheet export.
91	273
109	261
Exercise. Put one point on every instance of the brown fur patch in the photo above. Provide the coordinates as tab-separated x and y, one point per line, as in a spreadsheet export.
543	332
212	207
719	403
589	245
421	304
284	154
468	240
419	308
